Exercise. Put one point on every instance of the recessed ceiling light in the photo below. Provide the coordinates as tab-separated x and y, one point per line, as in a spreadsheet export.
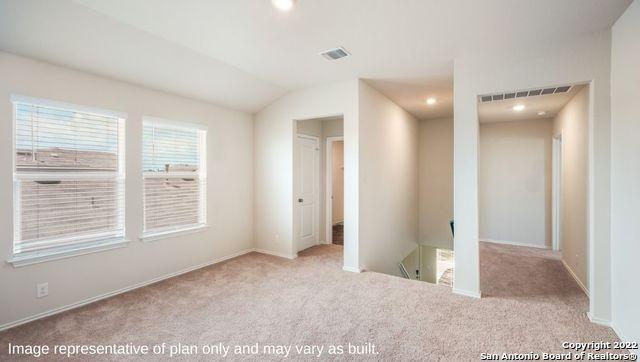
518	107
542	113
431	101
283	5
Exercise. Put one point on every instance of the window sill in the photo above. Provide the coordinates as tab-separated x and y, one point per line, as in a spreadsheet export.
34	257
172	233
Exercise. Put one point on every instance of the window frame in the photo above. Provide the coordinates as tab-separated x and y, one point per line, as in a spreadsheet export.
171	231
69	245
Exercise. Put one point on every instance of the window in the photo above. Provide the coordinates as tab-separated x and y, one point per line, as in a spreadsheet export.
68	177
174	176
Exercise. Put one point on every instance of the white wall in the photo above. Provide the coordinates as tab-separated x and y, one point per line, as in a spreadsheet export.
273	165
515	182
337	182
436	182
229	190
584	60
573	123
388	182
625	173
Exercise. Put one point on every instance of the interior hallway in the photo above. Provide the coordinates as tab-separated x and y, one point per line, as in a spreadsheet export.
530	303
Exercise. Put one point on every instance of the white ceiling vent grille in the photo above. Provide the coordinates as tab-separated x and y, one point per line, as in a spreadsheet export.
334	54
525	93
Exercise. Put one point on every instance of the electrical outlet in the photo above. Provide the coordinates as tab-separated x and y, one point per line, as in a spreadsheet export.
42	290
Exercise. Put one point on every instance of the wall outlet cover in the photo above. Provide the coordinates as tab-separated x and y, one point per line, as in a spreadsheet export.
42	290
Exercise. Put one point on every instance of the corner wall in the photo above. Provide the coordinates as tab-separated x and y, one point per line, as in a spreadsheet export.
81	278
273	165
436	182
388	182
573	123
625	174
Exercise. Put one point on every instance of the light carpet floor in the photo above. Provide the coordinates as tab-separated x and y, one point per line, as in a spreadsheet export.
529	303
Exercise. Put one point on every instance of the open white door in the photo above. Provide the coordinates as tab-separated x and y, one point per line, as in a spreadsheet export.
307	191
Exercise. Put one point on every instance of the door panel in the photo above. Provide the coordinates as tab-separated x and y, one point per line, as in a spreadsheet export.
307	191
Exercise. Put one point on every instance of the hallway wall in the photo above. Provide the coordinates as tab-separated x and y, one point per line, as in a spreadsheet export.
625	173
337	182
515	182
388	182
436	182
573	123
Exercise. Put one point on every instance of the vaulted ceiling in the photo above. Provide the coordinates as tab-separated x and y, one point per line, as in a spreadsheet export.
244	54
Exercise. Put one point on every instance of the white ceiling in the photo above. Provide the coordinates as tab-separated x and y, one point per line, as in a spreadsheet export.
244	53
502	111
412	93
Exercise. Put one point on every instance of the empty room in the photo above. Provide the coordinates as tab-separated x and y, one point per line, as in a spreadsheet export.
373	180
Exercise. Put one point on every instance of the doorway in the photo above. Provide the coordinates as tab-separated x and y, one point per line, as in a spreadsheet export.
318	171
533	190
335	190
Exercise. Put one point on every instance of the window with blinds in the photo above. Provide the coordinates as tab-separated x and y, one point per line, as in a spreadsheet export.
174	176
68	176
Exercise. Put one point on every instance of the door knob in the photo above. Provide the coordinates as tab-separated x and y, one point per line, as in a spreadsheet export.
300	200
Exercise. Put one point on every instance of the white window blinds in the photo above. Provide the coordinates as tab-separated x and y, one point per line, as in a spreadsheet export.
174	176
68	177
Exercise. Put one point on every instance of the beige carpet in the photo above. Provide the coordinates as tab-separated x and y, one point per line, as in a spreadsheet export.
530	304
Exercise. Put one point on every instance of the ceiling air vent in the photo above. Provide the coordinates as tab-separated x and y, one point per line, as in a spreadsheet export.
524	93
334	54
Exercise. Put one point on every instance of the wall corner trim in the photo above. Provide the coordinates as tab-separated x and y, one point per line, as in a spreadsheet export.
575	277
620	335
515	243
467	293
601	322
352	269
275	253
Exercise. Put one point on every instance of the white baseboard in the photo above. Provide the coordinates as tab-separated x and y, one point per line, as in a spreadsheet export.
515	243
600	321
623	338
275	253
466	293
575	277
351	269
116	292
610	324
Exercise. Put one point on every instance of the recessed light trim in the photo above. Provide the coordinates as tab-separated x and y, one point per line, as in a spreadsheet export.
283	5
431	101
542	113
519	107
